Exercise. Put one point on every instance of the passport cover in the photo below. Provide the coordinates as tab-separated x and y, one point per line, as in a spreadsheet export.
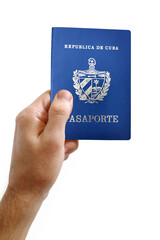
95	66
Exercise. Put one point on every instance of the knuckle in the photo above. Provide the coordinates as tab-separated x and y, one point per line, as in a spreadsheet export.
66	156
73	147
24	116
20	117
76	145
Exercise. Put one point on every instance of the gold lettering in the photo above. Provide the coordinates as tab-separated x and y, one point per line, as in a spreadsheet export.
78	118
90	118
103	118
115	118
84	119
71	119
109	118
95	118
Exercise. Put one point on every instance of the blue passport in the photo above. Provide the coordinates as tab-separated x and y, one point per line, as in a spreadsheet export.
95	66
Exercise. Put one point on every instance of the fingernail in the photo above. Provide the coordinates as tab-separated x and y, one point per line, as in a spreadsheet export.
63	94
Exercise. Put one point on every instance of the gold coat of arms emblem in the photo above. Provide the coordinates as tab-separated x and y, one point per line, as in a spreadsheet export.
91	85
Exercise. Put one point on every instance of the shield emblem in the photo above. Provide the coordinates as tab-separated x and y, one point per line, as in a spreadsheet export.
91	85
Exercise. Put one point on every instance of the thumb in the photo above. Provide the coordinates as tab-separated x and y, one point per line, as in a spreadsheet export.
58	115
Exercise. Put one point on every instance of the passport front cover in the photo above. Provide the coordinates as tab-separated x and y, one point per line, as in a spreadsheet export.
95	66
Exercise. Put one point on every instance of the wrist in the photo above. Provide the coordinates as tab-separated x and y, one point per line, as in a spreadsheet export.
17	212
28	197
23	193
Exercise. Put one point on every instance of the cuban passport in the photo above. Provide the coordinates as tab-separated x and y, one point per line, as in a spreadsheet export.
95	66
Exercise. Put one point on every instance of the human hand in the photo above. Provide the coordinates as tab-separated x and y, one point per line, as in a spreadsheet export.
39	150
39	147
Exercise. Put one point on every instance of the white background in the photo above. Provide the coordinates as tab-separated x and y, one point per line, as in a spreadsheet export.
107	189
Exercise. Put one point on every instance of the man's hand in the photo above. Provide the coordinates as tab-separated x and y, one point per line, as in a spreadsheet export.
39	150
39	145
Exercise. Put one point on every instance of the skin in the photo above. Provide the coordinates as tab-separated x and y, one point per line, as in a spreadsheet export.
39	150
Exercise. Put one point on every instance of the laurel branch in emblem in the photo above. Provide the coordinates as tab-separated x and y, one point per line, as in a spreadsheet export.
91	85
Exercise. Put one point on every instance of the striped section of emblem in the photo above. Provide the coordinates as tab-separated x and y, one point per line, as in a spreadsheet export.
84	82
88	91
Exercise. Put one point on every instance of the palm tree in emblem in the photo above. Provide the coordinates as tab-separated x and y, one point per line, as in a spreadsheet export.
96	82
